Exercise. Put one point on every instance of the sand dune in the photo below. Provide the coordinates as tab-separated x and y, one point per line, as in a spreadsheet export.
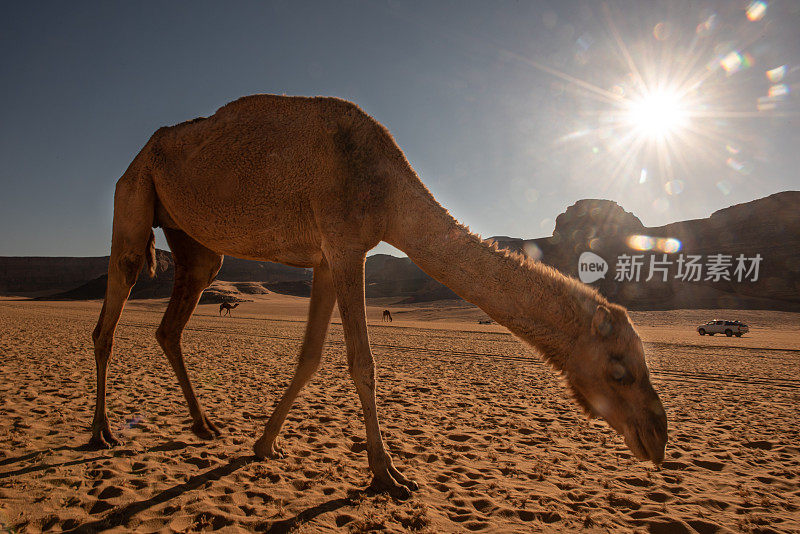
480	422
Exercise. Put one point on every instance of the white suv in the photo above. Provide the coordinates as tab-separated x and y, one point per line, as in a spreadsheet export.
729	328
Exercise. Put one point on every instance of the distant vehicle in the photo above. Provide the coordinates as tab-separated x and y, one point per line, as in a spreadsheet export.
729	328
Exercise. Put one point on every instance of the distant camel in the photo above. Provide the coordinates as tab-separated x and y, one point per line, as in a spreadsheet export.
227	307
387	315
316	182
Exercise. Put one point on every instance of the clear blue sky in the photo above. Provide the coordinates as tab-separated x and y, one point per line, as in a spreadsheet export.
509	111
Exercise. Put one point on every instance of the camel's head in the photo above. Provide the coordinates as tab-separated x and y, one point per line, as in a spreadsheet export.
608	375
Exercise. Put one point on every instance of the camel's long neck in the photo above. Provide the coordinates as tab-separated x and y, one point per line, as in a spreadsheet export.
513	293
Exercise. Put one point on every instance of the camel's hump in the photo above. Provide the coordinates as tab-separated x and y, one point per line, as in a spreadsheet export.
263	102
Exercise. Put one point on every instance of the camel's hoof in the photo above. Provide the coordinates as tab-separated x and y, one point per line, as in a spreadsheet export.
104	440
205	429
398	476
264	450
410	484
396	490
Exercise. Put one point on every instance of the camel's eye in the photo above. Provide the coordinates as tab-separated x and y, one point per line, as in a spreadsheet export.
620	374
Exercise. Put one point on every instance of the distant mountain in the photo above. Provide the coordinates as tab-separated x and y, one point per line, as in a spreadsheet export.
85	278
767	228
389	276
30	275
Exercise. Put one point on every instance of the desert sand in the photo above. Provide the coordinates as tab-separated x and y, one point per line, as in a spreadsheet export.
477	419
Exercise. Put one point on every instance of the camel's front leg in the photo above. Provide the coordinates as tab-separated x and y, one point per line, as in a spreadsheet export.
319	316
348	279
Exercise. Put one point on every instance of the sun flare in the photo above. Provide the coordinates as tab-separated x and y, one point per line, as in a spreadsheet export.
658	114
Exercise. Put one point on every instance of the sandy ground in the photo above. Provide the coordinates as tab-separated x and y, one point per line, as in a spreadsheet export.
480	422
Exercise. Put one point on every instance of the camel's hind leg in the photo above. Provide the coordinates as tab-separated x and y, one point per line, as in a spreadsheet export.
319	315
195	269
132	241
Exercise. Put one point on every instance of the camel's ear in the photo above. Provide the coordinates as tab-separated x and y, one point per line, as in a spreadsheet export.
601	322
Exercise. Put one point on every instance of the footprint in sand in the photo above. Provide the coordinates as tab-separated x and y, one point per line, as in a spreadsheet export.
539	515
668	526
636	481
138	484
202	463
110	492
704	527
204	520
460	515
483	505
658	496
675	466
343	519
99	507
260	496
358	446
763	445
476	525
709	464
623	503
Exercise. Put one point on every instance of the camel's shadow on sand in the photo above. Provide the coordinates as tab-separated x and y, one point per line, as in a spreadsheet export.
40	467
168	446
123	515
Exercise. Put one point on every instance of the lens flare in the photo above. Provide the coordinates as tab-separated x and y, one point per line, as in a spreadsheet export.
644	243
756	10
674	187
765	103
669	245
707	26
532	251
641	242
662	31
733	62
778	91
734	164
776	75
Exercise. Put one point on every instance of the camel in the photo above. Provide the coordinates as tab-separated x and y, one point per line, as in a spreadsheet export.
227	307
387	316
316	183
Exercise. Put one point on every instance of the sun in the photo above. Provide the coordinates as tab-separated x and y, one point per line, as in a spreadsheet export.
657	114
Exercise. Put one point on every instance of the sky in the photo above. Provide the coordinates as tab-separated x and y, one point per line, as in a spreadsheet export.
510	111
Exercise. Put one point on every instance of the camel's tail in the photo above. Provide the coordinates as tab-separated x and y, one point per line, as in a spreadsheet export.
150	254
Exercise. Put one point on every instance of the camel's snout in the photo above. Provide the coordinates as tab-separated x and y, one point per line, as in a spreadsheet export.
658	425
646	435
658	430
